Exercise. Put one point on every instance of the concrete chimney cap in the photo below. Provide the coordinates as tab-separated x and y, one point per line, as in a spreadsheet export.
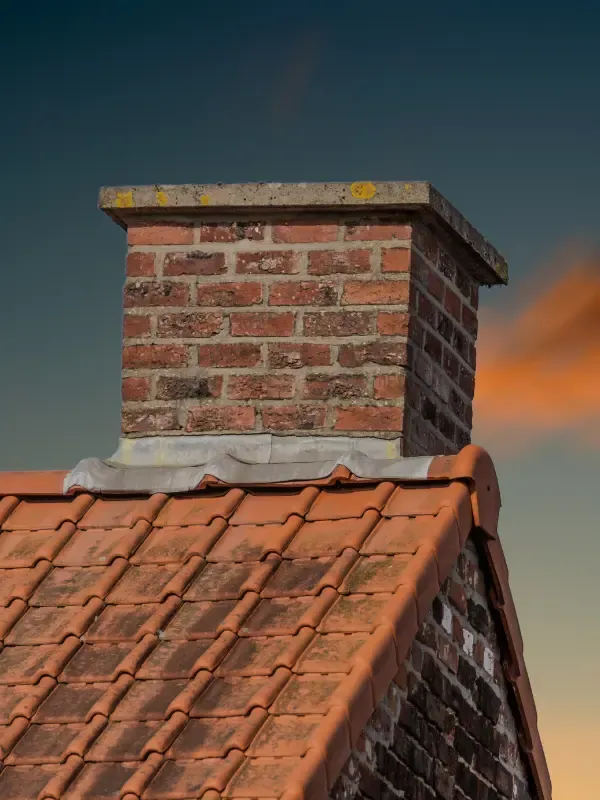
126	203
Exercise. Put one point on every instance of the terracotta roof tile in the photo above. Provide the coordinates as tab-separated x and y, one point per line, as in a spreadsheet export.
230	642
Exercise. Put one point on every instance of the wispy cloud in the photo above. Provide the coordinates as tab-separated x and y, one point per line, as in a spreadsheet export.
538	371
296	75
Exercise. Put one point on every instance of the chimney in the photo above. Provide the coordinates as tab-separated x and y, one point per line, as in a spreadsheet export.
294	309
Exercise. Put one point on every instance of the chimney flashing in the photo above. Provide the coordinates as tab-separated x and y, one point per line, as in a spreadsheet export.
126	203
179	464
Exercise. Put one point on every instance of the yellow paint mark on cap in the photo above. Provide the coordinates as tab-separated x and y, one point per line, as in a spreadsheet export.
363	190
125	199
204	200
161	198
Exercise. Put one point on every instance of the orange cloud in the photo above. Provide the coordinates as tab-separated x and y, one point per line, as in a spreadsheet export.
538	371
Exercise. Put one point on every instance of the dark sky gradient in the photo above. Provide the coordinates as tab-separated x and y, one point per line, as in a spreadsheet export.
497	105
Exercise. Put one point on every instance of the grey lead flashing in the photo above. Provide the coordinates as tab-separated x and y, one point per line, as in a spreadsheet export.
174	465
124	203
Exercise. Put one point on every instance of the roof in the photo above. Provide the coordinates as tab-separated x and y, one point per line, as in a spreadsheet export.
125	203
227	642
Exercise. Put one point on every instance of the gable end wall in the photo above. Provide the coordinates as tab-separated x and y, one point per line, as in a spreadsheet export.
446	728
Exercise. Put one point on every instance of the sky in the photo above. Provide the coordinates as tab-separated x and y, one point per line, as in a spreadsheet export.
498	105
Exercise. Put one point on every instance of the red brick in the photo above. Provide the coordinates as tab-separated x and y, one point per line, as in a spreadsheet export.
140	356
345	262
149	420
390	354
229	294
183	387
285	355
377	233
135	325
194	263
392	323
155	293
338	323
427	311
258	323
475	296
396	259
302	293
375	292
369	418
135	389
326	385
448	654
469	320
140	265
230	354
457	596
232	232
271	262
452	303
295	233
220	418
193	324
261	387
435	285
165	233
389	387
290	418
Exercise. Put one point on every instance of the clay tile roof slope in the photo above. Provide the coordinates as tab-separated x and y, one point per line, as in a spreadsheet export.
227	642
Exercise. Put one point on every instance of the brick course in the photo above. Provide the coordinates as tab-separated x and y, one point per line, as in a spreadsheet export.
445	730
382	308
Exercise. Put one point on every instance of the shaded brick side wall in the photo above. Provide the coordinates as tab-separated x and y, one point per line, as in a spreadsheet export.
446	728
335	325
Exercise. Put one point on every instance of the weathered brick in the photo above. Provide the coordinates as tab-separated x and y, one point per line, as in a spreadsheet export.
149	420
140	265
155	293
270	262
469	320
303	293
140	356
165	233
262	323
136	325
228	295
229	354
342	262
377	232
396	259
180	387
393	323
135	389
220	418
297	232
435	285
369	418
194	263
375	292
324	386
286	355
383	353
228	232
192	324
389	387
289	418
338	323
261	387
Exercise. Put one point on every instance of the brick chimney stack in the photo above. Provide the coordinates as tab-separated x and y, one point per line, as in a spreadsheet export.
295	309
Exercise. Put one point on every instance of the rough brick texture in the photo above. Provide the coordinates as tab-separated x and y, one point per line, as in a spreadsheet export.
445	730
332	325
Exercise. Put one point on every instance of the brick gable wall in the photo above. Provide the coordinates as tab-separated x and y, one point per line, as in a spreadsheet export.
332	325
446	728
